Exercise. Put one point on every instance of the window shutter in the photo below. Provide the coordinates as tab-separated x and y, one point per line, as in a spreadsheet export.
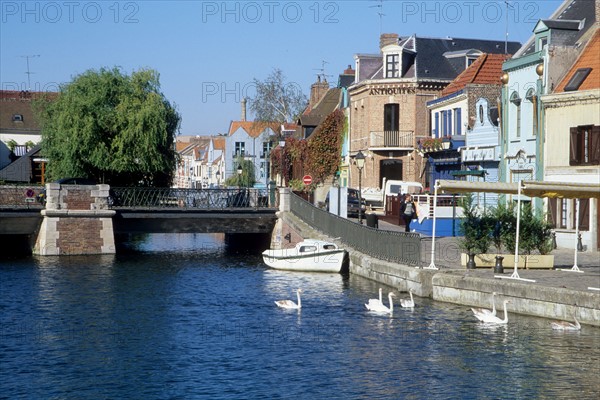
458	122
450	130
574	153
437	125
595	145
584	214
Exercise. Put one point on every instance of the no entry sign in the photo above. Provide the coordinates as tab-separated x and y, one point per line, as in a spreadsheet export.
307	179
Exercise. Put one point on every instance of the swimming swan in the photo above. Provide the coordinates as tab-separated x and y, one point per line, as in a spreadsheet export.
406	303
289	303
480	311
380	307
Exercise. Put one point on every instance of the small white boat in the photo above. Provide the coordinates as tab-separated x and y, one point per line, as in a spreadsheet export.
311	255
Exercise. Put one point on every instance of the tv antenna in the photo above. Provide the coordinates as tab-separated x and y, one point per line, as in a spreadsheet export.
506	29
322	69
381	14
29	72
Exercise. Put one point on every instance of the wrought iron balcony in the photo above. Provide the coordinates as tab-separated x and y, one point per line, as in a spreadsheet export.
392	140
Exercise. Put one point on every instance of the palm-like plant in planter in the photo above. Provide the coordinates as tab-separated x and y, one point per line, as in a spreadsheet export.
476	228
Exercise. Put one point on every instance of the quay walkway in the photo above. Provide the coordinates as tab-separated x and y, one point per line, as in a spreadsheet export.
447	258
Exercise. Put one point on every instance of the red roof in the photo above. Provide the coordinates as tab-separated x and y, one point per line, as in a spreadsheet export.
253	128
486	70
588	58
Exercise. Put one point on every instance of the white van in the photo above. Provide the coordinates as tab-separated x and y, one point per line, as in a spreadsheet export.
393	188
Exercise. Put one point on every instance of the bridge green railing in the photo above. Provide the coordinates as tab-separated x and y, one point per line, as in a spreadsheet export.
205	199
391	246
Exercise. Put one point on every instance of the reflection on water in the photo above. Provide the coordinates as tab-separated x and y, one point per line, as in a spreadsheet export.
179	317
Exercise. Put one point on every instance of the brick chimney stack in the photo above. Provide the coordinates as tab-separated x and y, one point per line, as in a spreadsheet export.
317	91
387	38
243	109
349	71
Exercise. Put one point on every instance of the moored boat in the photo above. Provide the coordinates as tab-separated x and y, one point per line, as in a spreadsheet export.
310	255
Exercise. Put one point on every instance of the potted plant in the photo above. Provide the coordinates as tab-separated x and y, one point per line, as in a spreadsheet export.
475	228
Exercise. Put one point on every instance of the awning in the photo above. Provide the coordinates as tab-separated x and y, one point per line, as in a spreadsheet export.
528	188
469	172
448	186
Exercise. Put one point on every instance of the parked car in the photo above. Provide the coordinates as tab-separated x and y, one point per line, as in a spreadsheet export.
352	203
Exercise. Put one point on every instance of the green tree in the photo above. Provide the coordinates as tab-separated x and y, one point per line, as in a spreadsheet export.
277	100
247	176
111	127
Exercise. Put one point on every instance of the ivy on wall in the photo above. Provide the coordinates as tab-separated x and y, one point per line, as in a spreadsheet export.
318	156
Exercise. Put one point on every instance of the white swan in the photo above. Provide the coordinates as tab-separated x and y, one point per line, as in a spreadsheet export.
492	319
375	302
289	303
566	326
480	311
406	303
380	307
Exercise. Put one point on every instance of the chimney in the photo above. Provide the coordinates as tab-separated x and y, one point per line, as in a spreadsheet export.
244	109
387	38
349	70
317	91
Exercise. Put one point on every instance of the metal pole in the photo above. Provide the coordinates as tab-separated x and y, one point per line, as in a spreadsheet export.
432	264
360	195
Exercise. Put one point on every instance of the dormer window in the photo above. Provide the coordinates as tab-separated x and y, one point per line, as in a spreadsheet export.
17	117
470	60
392	66
542	42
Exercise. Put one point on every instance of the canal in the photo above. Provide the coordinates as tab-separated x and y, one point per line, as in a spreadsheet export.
179	316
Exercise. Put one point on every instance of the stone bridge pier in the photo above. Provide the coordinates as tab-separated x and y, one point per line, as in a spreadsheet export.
76	221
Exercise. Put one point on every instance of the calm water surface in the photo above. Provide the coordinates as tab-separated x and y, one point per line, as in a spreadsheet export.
181	319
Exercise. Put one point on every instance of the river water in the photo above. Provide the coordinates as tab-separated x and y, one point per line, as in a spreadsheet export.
178	317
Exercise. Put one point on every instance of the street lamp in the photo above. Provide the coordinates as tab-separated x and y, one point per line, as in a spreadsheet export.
282	145
239	172
359	159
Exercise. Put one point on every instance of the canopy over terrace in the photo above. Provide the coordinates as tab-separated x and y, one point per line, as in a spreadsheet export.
528	188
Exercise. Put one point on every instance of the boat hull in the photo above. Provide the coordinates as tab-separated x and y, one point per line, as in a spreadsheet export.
289	260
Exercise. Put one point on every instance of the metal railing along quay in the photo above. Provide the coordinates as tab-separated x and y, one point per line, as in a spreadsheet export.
391	246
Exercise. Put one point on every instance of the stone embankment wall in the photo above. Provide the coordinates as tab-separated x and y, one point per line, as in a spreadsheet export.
454	285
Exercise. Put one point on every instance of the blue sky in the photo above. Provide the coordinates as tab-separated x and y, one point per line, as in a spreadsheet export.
209	52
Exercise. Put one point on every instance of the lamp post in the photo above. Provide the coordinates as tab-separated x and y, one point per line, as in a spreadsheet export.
239	172
282	145
359	159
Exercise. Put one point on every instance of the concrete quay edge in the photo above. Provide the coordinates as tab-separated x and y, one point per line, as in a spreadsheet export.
458	286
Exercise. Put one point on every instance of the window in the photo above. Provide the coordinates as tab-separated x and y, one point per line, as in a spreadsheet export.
542	42
577	79
17	117
470	60
392	66
266	150
516	100
585	145
240	149
457	121
391	117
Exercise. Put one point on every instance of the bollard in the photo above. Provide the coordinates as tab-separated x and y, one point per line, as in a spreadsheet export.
499	268
471	263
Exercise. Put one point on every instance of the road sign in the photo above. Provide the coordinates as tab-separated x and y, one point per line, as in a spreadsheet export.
29	193
307	179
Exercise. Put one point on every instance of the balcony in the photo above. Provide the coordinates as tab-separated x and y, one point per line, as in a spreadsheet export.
392	140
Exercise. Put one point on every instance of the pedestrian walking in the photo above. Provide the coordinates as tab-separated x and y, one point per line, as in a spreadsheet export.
408	211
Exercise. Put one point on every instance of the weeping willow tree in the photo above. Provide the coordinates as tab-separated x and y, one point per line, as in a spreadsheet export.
116	128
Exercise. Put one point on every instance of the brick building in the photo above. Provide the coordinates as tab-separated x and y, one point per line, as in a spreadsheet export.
388	101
